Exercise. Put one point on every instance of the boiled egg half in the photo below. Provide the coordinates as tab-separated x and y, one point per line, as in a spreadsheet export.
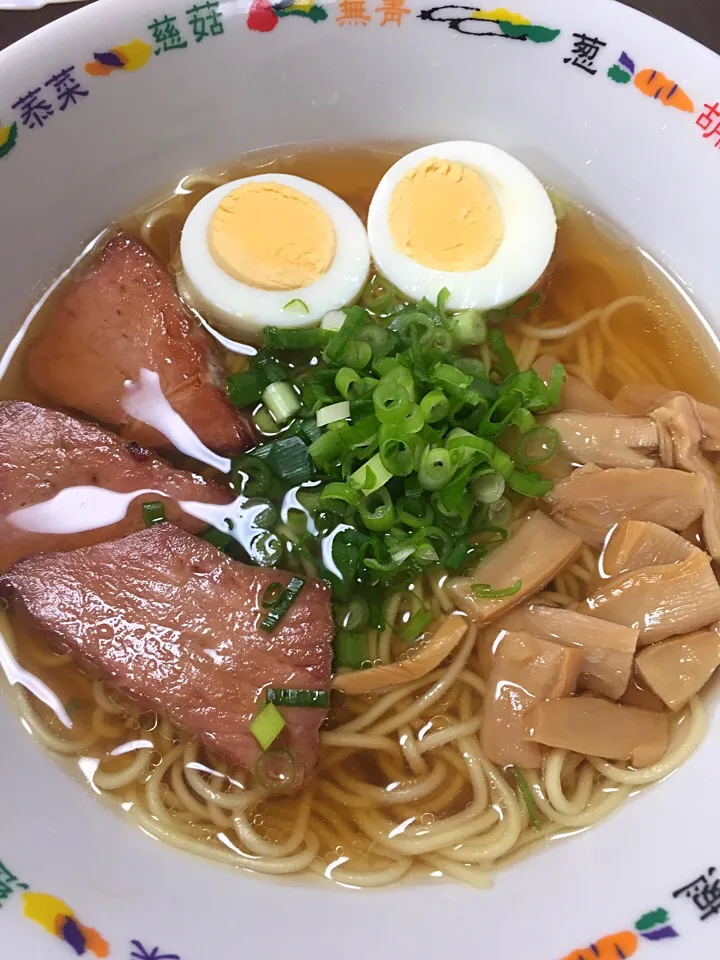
272	250
465	216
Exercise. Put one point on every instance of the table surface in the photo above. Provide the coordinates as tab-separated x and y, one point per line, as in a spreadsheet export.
698	18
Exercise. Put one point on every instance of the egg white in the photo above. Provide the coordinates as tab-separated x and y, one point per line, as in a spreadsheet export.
528	239
247	309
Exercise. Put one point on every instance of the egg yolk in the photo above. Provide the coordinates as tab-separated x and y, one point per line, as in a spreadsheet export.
270	236
445	216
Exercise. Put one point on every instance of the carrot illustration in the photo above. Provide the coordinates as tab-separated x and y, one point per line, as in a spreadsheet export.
659	87
618	946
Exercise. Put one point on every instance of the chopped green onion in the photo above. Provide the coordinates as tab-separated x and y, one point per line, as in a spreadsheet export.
333	413
378	295
351	650
502	353
271	368
434	406
380	340
333	320
282	400
483	591
247	387
307	430
355	318
500	512
377	511
416	625
266	549
288	458
265	422
459	555
524	305
470	328
438	340
442	299
73	704
391	401
354	615
357	355
529	484
526	794
291	697
488	488
250	476
326	448
223	541
278	338
523	419
371	475
451	380
271	594
341	498
282	604
436	468
537	446
153	512
349	383
397	449
414	512
297	306
267	725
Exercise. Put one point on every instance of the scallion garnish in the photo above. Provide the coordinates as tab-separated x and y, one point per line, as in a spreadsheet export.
247	387
483	591
333	413
153	512
281	606
271	594
296	306
351	650
377	511
267	725
526	794
282	400
416	625
288	458
371	475
537	446
416	451
287	697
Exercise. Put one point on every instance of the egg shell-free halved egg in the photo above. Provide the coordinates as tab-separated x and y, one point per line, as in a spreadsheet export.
247	245
462	215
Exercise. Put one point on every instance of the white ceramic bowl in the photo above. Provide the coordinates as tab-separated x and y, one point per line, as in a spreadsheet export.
422	73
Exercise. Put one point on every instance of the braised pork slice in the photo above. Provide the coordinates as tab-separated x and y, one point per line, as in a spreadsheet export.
591	501
122	317
662	601
525	670
606	440
43	452
637	544
607	648
576	394
173	624
533	555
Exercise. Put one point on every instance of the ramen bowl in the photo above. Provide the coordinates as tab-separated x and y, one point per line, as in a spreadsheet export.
114	104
